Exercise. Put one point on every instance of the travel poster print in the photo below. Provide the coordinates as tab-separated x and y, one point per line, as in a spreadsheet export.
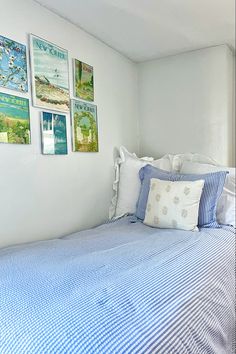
14	119
54	136
50	78
83	80
84	126
13	65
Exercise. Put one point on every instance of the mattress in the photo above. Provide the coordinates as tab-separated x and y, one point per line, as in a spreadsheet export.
122	287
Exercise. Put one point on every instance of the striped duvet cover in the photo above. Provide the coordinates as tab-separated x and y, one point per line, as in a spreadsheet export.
120	288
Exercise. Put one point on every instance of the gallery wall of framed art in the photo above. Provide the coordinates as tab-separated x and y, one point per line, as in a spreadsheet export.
50	89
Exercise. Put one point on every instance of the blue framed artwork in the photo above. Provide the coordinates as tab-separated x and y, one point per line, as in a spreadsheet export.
13	65
54	135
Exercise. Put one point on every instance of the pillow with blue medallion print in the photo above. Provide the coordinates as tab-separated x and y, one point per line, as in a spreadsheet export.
173	204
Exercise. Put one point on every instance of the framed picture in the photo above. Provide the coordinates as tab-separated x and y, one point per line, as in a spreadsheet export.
54	136
83	80
84	126
13	65
50	78
14	119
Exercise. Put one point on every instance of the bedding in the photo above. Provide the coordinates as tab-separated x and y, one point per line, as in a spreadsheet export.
213	186
127	184
120	288
225	211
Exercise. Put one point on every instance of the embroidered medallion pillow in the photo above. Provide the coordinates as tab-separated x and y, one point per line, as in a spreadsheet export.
173	205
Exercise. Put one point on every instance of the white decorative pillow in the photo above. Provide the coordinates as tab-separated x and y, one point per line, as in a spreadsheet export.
225	212
178	160
173	205
127	182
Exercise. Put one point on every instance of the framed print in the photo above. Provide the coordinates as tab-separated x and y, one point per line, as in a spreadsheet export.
13	65
83	80
50	78
14	119
54	136
84	126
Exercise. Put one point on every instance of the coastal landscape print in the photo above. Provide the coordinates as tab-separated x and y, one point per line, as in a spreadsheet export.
84	126
13	65
54	137
83	80
50	78
14	119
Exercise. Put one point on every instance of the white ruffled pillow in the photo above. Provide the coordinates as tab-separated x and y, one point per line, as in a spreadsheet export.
225	212
173	205
127	183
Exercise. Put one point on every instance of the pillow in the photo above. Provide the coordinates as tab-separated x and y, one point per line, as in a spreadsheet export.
225	212
127	183
212	190
178	160
173	204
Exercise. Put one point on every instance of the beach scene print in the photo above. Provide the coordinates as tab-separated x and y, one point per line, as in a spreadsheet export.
54	137
13	65
83	80
14	119
50	75
85	129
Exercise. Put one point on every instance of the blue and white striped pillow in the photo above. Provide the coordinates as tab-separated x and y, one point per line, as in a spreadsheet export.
213	186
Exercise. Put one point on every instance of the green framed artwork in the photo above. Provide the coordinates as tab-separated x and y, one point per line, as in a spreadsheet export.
83	80
13	65
50	76
14	119
53	132
84	126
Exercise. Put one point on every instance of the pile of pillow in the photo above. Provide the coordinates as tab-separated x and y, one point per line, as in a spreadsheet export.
176	191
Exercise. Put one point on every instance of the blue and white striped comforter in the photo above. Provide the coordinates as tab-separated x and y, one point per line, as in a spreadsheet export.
120	288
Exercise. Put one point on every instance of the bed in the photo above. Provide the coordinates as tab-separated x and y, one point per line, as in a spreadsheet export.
122	287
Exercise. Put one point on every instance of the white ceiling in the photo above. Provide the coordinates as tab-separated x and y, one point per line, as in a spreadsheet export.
148	29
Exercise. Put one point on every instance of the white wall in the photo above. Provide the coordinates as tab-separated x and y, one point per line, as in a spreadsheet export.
184	101
185	104
47	196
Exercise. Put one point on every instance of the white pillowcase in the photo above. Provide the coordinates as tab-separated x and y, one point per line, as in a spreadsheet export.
225	212
127	183
178	160
173	205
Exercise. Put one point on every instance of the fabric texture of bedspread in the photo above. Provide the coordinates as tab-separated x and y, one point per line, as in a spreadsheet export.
120	288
